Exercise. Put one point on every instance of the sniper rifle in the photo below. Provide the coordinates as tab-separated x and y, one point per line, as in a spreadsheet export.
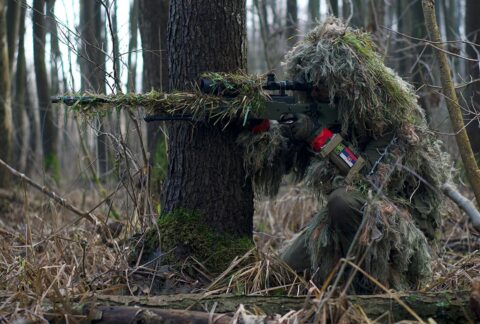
278	105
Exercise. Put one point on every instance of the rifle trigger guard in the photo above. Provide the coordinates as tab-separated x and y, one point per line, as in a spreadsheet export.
287	118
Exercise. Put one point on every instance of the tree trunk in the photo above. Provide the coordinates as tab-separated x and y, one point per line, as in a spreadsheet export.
444	307
115	45
132	48
358	14
206	171
291	24
20	98
376	17
264	30
92	65
334	7
128	314
472	30
346	8
314	11
54	48
454	109
55	60
153	22
411	22
13	21
47	117
5	100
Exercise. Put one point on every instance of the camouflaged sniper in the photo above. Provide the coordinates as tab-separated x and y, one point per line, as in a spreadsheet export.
374	106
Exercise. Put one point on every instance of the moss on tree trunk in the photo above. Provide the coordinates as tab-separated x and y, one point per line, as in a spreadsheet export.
182	234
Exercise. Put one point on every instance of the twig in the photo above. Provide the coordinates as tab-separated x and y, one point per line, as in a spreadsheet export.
464	203
61	201
454	109
392	295
114	44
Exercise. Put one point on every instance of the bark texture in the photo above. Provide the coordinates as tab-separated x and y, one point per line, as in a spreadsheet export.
472	29
444	307
126	314
454	109
47	117
5	99
206	172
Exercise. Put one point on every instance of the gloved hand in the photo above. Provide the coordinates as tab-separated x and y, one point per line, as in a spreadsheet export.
301	126
258	126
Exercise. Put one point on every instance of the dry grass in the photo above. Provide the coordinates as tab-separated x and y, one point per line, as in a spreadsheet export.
47	267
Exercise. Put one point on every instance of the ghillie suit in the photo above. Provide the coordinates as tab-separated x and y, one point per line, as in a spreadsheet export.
380	116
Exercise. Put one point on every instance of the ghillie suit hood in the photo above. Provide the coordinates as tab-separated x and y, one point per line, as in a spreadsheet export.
374	105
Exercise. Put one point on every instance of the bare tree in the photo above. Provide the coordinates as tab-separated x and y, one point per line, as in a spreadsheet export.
334	7
358	12
20	99
472	29
13	21
92	65
261	7
132	48
47	116
153	21
454	109
314	11
5	99
291	23
376	17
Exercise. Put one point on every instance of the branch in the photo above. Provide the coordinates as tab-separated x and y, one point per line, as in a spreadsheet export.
454	109
464	203
61	201
445	306
114	44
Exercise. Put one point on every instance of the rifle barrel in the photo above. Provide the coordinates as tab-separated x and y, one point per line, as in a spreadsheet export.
83	100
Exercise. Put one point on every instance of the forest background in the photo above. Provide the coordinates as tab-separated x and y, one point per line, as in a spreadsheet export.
56	47
75	53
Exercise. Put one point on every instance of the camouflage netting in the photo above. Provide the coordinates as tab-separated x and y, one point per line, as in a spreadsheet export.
233	97
373	103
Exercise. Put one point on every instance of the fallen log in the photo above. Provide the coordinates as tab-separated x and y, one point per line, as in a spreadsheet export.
126	314
130	314
443	307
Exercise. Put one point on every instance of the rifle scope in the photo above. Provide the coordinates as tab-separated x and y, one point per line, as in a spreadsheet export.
218	87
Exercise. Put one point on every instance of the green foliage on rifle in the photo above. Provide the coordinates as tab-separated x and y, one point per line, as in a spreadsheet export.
250	98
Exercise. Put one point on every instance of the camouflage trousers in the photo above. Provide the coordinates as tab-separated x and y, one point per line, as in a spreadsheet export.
396	252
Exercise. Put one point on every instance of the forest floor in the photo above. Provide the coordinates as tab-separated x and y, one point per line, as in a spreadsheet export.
53	263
